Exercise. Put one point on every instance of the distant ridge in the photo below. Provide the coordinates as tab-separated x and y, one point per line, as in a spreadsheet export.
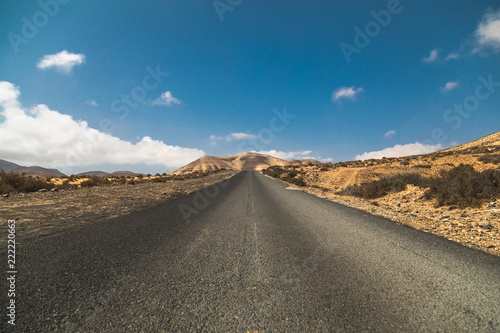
108	174
486	141
34	171
246	161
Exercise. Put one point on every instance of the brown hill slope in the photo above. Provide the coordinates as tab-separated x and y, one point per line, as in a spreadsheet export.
246	161
205	163
30	171
108	174
253	161
487	141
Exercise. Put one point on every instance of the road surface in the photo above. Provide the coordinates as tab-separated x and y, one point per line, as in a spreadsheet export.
253	256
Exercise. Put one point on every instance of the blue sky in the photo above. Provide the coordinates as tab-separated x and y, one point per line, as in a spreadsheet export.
78	93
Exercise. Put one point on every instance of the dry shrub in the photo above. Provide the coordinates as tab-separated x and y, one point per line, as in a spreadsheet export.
379	188
464	187
490	158
18	182
95	181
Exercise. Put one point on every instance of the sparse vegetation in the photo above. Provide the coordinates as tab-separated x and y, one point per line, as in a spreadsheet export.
461	186
382	187
490	158
95	181
18	182
464	187
291	176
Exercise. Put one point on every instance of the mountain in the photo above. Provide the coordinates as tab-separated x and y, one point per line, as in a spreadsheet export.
253	161
108	174
487	141
93	173
8	166
246	161
30	171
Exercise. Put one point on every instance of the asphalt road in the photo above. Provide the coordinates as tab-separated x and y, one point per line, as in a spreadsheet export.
256	257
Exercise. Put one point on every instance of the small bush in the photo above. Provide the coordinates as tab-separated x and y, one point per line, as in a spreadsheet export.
95	181
274	171
423	166
462	186
381	187
18	182
66	185
490	158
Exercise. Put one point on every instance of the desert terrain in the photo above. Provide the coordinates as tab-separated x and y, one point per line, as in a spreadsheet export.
474	220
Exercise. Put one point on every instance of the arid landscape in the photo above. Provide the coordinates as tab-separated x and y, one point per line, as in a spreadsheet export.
395	188
412	191
250	166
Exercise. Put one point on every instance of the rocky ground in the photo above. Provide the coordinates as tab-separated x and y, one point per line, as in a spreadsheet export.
40	214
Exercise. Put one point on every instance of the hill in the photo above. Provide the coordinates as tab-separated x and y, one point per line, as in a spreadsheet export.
487	141
34	171
246	161
108	174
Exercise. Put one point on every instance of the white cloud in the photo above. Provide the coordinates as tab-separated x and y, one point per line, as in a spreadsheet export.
452	56
449	86
62	61
488	31
233	137
292	155
346	93
390	134
240	136
48	138
432	57
166	99
401	150
91	102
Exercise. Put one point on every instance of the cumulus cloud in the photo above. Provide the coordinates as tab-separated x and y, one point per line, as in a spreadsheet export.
62	61
166	99
449	86
346	93
433	56
401	150
292	155
233	137
91	102
390	134
488	31
49	138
